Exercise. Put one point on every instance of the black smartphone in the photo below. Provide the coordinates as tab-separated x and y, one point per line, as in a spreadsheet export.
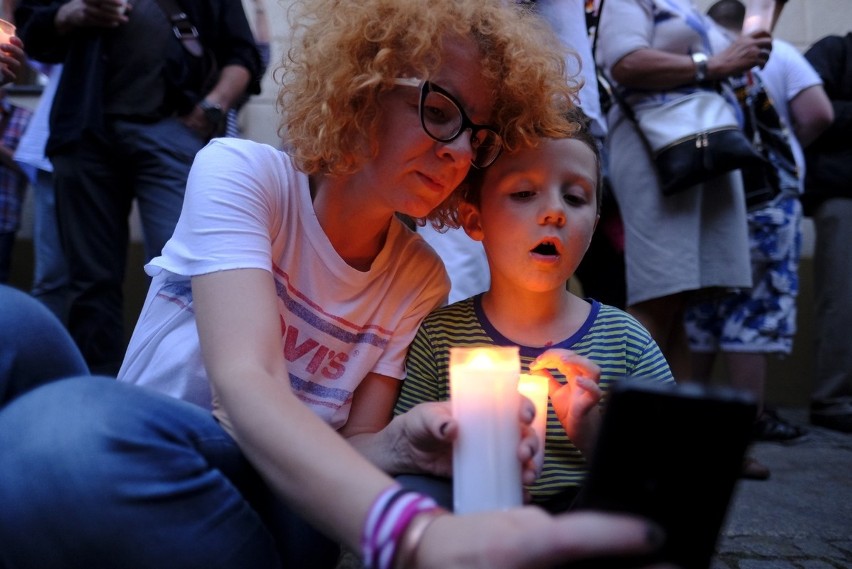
672	453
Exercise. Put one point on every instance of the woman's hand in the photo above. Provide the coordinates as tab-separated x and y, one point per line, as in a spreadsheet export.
576	401
424	439
744	53
532	539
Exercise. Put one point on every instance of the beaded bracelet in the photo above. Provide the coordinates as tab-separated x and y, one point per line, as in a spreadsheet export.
387	520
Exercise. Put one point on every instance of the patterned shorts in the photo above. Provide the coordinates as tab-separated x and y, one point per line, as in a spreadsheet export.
763	318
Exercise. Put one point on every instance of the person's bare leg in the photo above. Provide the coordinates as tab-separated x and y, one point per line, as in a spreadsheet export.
702	366
678	354
663	317
747	371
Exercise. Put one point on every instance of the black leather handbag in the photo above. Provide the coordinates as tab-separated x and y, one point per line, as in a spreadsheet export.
693	139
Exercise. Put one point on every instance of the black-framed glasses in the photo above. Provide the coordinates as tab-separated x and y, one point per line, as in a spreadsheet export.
444	120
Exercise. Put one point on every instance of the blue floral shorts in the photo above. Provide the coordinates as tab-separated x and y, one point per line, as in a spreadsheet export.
763	318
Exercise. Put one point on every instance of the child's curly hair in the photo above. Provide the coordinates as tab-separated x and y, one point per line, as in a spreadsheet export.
345	53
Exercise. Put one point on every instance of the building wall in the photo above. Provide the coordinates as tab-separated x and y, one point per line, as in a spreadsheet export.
802	23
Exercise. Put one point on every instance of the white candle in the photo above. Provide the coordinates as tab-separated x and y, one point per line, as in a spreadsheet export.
758	16
535	388
485	403
7	30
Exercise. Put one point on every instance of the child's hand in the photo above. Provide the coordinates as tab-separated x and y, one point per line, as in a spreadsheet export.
576	401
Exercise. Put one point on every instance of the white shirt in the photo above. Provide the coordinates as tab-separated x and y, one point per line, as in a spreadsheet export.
246	206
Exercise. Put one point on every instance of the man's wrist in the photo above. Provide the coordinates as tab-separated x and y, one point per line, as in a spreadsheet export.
214	114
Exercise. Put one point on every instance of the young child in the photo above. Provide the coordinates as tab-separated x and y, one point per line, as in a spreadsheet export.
535	211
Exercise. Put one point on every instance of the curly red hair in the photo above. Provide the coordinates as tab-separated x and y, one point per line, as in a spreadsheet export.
345	53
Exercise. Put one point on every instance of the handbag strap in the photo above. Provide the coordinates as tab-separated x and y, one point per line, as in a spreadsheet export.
593	21
604	82
184	30
612	91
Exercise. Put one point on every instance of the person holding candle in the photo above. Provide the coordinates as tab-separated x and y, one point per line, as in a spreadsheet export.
535	211
290	292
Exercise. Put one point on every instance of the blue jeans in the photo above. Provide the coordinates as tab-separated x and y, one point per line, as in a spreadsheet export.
99	473
50	277
96	181
34	346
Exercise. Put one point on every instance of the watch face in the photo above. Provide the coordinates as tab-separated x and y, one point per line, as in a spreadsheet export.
214	115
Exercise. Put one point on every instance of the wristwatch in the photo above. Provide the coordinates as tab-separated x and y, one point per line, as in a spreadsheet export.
700	61
213	112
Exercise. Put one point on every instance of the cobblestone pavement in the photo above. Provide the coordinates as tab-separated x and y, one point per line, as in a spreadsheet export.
801	518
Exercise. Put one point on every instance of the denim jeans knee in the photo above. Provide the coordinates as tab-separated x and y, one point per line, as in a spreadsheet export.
97	473
35	347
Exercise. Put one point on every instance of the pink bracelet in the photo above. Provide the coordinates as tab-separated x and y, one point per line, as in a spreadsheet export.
387	520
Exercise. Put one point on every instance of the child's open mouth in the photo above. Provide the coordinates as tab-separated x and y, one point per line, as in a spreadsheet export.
547	248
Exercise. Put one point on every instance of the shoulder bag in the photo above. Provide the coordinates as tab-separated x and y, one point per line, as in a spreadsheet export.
692	139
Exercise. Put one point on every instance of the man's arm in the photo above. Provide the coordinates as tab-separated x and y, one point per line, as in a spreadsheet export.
811	114
828	56
229	89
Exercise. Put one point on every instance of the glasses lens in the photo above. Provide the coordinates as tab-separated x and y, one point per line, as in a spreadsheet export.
442	118
486	145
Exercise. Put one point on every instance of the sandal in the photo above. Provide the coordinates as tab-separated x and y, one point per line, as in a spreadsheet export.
770	427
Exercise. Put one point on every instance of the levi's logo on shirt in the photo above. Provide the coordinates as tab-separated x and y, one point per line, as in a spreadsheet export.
323	359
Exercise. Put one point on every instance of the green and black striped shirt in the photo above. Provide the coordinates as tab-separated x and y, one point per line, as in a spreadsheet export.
610	337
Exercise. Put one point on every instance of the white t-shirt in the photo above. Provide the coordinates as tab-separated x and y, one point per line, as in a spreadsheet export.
568	20
786	74
246	206
464	258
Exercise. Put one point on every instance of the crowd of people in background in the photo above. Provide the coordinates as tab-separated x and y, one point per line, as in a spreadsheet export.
422	182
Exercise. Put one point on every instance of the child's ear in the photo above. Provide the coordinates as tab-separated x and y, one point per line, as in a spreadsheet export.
469	218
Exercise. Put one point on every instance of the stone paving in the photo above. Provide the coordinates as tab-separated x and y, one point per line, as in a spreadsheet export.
801	518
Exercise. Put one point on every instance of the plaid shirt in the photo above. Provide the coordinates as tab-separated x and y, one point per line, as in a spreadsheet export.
13	182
